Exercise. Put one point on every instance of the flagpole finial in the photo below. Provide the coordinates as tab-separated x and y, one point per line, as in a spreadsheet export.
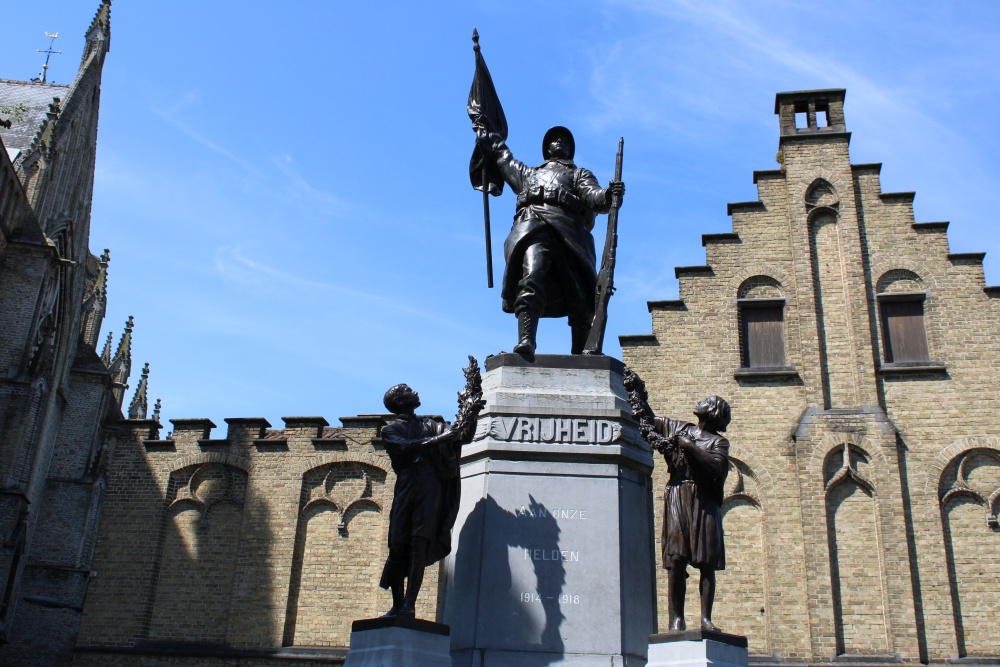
475	40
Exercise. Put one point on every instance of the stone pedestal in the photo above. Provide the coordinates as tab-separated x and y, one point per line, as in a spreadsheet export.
553	548
398	642
697	648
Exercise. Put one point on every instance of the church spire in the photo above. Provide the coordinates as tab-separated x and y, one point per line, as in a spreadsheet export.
137	408
99	31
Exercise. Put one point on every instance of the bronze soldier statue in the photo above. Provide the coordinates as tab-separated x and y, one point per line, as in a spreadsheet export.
550	250
425	457
697	463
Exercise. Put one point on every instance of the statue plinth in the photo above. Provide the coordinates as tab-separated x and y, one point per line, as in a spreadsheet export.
398	641
697	648
554	553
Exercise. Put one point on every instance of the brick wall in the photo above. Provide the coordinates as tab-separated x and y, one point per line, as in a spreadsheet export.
266	538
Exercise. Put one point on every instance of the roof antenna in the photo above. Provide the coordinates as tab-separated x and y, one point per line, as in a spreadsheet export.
43	75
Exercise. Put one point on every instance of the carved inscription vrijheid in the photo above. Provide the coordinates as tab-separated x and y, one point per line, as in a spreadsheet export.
563	430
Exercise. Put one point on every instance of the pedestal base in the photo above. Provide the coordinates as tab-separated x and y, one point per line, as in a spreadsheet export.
399	642
697	648
553	561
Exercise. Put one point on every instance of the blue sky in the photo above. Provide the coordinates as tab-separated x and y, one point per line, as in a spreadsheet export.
284	187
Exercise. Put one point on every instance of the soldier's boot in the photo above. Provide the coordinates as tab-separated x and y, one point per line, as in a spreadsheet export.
580	333
527	328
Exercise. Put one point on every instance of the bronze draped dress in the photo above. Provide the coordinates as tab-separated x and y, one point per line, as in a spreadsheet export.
692	512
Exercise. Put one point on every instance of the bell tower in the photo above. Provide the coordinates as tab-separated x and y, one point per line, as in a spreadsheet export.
807	112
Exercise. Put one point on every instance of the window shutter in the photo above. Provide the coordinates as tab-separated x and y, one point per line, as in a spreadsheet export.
903	331
763	336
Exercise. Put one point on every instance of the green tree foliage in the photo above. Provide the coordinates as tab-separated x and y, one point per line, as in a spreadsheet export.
16	112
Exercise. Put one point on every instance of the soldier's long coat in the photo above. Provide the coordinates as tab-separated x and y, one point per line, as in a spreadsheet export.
573	278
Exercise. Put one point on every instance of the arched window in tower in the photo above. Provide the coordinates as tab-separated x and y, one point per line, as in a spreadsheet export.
762	323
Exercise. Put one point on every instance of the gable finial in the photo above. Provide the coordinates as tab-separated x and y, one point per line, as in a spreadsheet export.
137	408
106	354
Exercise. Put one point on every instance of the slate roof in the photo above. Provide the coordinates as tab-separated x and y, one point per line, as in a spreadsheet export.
37	97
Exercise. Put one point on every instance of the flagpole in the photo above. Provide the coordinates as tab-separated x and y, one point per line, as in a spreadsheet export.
484	107
489	242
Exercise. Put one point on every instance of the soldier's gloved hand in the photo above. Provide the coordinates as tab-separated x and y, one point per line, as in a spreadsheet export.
617	189
483	133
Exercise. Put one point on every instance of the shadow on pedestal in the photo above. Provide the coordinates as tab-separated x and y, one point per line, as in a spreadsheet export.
550	575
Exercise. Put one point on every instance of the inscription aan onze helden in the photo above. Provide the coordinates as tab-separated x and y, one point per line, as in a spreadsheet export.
535	512
565	555
564	430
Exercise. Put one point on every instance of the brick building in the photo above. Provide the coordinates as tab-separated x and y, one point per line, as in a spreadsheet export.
862	363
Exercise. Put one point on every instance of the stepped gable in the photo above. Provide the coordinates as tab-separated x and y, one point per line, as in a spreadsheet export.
756	225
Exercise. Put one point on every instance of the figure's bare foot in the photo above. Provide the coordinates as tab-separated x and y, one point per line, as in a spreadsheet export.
391	613
406	611
678	625
707	625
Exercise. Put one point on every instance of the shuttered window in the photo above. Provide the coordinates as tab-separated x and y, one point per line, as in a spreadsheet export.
762	333
903	333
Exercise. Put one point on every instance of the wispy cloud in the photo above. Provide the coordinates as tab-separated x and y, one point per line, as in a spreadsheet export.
172	116
233	265
290	180
298	188
721	50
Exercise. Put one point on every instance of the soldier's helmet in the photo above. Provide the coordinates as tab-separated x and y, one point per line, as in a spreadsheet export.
566	135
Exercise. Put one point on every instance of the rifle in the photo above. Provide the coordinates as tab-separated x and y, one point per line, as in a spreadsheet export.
606	278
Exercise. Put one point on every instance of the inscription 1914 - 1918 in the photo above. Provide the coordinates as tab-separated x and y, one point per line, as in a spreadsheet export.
563	598
563	430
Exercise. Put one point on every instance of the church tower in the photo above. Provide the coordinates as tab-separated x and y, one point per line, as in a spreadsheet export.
59	402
